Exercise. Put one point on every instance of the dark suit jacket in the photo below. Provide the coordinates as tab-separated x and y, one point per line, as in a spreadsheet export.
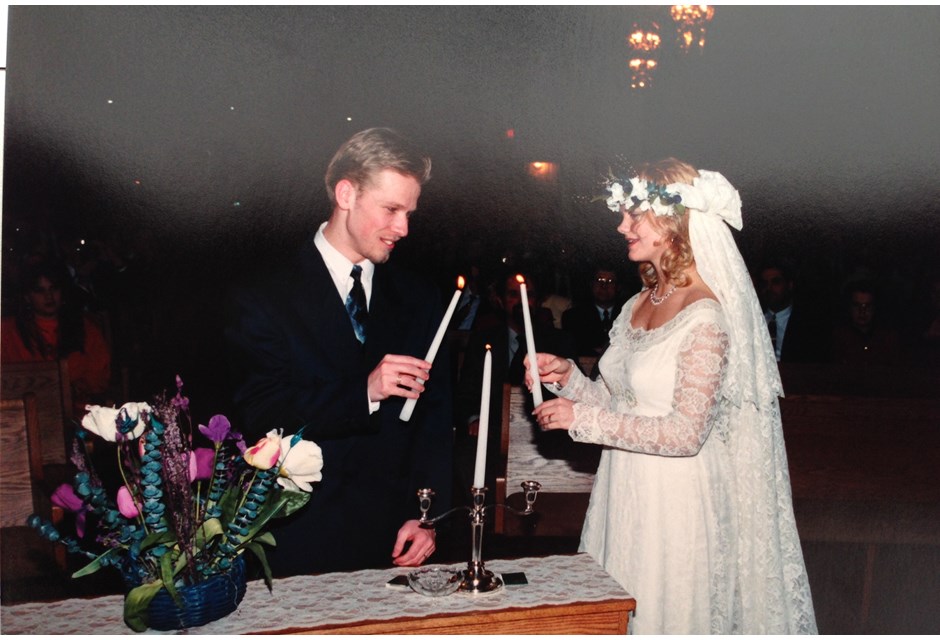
807	338
469	392
584	324
295	362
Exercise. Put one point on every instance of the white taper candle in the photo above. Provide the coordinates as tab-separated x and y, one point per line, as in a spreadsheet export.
409	407
530	343
479	470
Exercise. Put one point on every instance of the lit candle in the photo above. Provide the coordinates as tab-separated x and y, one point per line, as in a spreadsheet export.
435	345
480	469
530	343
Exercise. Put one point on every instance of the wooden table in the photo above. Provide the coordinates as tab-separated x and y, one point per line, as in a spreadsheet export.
566	594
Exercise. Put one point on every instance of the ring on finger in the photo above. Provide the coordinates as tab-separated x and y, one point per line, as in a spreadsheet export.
398	379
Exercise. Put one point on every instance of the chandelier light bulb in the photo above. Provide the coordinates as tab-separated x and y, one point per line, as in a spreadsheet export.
690	23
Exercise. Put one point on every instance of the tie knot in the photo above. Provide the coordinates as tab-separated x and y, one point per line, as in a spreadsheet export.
356	272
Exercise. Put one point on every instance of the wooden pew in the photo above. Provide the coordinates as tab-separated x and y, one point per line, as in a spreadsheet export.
49	381
23	492
20	460
865	474
564	468
870	381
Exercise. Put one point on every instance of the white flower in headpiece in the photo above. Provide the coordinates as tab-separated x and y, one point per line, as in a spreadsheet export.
616	198
639	190
660	208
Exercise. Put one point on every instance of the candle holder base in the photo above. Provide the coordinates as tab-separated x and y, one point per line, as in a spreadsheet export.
475	578
479	580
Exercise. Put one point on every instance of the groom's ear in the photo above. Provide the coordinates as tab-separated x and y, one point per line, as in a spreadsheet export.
345	192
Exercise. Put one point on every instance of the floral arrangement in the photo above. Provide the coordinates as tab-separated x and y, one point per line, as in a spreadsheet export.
182	513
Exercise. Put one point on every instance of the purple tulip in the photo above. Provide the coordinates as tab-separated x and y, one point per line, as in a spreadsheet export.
218	430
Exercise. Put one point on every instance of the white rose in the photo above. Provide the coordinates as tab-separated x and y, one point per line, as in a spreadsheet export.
103	421
300	465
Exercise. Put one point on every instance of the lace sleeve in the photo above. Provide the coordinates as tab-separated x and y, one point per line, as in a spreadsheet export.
580	388
682	432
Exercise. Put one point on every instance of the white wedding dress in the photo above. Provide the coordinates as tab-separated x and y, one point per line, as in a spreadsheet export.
669	518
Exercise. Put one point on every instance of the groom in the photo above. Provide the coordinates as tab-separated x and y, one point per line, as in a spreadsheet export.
334	344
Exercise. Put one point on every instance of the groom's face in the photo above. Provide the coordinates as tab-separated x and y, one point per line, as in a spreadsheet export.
377	214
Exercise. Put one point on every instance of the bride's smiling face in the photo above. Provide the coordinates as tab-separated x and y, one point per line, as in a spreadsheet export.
645	241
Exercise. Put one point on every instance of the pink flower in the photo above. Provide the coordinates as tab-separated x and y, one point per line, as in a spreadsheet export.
65	497
125	503
204	460
266	452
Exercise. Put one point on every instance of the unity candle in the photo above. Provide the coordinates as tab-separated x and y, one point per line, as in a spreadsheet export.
480	469
530	343
435	345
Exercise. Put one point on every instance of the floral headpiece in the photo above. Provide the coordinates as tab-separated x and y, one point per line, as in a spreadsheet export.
710	193
644	195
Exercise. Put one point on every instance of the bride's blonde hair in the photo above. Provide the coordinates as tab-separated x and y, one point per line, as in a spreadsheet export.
677	256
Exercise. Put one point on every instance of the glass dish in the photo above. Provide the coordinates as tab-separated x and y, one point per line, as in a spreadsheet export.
435	581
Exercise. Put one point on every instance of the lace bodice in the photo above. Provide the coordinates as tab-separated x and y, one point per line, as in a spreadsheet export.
680	386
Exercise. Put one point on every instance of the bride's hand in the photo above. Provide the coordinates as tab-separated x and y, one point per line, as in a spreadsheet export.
555	414
551	369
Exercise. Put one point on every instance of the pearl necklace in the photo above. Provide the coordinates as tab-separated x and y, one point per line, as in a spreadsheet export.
658	301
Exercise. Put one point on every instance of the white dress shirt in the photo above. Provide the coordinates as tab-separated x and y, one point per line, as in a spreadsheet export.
781	317
340	267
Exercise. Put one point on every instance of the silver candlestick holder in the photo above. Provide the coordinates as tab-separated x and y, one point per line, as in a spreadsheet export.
476	578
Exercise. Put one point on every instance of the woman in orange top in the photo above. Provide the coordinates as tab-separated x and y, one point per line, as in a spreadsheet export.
47	327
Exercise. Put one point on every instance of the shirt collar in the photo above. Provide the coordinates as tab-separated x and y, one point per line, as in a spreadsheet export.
782	315
340	266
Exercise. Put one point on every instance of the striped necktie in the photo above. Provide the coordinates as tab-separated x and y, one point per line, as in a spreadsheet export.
356	305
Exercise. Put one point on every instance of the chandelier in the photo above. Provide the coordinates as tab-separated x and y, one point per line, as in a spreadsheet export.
644	44
690	23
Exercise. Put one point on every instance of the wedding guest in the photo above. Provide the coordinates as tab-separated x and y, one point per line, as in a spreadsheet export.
691	509
49	325
334	345
863	339
590	322
797	332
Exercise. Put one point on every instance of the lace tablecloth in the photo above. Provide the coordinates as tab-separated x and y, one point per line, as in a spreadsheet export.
306	602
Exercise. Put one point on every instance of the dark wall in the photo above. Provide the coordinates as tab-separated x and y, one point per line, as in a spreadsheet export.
193	139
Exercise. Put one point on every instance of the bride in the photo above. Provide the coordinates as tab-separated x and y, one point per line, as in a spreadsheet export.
691	509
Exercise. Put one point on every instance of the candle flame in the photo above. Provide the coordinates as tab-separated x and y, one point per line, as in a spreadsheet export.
488	347
520	279
460	282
